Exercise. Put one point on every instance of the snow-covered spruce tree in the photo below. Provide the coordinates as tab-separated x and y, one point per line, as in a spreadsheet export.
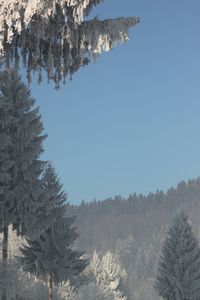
179	267
66	291
22	286
20	148
52	257
107	273
53	35
113	276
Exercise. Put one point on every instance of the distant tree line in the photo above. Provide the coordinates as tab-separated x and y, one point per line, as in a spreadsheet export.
134	229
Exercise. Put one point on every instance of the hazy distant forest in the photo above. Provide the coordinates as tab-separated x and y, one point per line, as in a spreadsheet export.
135	228
133	231
139	248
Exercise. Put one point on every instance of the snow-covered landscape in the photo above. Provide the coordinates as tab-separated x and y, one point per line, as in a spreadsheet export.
54	245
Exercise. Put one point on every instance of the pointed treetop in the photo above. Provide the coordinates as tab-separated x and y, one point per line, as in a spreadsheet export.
21	146
53	253
178	275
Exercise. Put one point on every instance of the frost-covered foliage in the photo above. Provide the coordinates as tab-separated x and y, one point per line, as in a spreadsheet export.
103	279
21	286
52	35
92	292
134	228
179	267
108	274
66	291
20	148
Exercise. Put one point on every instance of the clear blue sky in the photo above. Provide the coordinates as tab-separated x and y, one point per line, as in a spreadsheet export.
131	122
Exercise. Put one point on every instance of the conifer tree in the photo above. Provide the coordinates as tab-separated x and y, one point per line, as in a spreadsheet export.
108	274
67	291
53	35
179	267
54	199
20	167
52	257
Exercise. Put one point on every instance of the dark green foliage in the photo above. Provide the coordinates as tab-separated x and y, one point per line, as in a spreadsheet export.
20	149
52	253
179	266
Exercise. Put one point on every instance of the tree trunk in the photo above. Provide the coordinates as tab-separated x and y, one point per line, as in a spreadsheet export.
50	288
5	245
4	259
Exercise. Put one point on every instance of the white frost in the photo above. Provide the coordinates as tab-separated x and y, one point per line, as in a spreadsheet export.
52	35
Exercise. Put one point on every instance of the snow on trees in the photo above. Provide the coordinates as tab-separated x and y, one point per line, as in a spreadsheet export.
179	267
103	279
53	35
107	273
66	291
92	291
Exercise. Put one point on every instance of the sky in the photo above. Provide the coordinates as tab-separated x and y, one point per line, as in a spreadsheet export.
130	123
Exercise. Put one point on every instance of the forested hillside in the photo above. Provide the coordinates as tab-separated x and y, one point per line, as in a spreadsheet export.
134	229
123	239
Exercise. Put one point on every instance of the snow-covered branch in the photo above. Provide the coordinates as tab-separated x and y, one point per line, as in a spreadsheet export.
53	36
98	36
